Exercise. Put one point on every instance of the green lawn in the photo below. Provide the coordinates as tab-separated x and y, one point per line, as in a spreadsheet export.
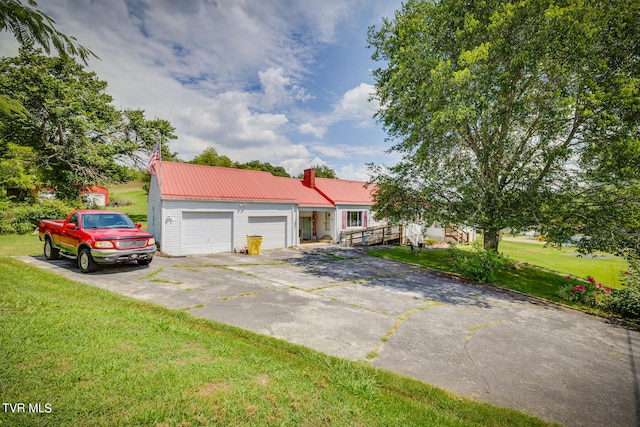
93	357
19	245
606	270
132	200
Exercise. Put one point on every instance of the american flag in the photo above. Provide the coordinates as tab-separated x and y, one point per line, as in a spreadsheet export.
154	158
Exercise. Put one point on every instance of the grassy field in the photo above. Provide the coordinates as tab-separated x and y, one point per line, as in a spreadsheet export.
97	358
604	269
92	357
131	199
19	245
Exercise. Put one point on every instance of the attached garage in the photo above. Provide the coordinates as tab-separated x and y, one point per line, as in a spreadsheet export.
272	229
206	232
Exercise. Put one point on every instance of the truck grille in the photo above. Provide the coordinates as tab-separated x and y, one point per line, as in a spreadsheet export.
126	244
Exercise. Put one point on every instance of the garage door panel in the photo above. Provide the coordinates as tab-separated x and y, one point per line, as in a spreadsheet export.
206	232
272	229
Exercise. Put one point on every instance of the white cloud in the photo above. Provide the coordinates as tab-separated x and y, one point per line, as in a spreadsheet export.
311	129
237	75
274	84
355	173
355	103
296	166
279	89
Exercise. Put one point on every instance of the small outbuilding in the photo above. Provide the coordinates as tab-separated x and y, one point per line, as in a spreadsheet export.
95	195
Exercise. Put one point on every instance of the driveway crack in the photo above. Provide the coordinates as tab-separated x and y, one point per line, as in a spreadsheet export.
468	339
399	321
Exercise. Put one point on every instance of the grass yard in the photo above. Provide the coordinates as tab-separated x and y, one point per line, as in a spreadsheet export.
131	199
19	245
606	270
93	357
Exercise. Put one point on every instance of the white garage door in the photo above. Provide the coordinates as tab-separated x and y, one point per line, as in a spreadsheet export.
206	232
273	230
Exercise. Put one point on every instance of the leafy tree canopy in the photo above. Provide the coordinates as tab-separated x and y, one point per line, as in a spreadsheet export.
32	27
322	171
210	157
264	166
510	114
71	130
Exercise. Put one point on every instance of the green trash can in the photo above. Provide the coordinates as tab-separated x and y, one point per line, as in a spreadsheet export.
253	245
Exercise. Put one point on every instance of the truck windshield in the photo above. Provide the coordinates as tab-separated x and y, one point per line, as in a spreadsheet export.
107	221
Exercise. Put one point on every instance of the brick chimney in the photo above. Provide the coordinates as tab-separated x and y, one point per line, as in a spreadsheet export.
309	178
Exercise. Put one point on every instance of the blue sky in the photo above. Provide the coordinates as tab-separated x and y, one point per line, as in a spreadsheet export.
281	81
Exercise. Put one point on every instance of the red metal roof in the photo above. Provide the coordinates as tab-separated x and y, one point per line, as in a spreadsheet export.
304	195
342	191
187	181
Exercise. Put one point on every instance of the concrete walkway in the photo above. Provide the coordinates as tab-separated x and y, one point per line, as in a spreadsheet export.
491	345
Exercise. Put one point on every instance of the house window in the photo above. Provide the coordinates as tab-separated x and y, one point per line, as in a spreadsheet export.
354	219
327	222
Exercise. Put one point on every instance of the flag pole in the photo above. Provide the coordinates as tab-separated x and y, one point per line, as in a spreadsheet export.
160	166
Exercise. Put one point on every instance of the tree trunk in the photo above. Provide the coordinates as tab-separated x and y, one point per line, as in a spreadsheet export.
491	238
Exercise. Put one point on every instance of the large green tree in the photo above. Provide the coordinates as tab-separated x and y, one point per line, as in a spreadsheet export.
31	27
506	113
210	157
264	166
322	171
72	130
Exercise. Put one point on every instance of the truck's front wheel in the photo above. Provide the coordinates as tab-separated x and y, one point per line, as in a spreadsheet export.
86	264
49	251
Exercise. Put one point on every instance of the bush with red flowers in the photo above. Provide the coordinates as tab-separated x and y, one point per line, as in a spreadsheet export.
587	292
624	302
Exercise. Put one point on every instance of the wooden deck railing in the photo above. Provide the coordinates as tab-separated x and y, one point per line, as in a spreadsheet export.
378	235
456	233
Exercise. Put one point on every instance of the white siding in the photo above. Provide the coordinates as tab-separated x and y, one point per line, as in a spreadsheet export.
435	232
172	218
95	199
340	213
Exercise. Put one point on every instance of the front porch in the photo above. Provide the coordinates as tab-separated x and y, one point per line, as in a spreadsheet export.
316	226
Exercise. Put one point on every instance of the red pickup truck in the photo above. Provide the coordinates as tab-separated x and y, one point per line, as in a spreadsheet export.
95	237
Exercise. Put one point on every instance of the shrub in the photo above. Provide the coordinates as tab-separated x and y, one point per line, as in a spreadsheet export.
627	301
624	302
479	265
24	218
587	292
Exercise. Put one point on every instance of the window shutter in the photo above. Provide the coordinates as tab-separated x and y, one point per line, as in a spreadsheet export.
364	219
344	219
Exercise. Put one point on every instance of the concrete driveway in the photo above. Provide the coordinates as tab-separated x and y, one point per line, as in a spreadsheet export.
491	345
